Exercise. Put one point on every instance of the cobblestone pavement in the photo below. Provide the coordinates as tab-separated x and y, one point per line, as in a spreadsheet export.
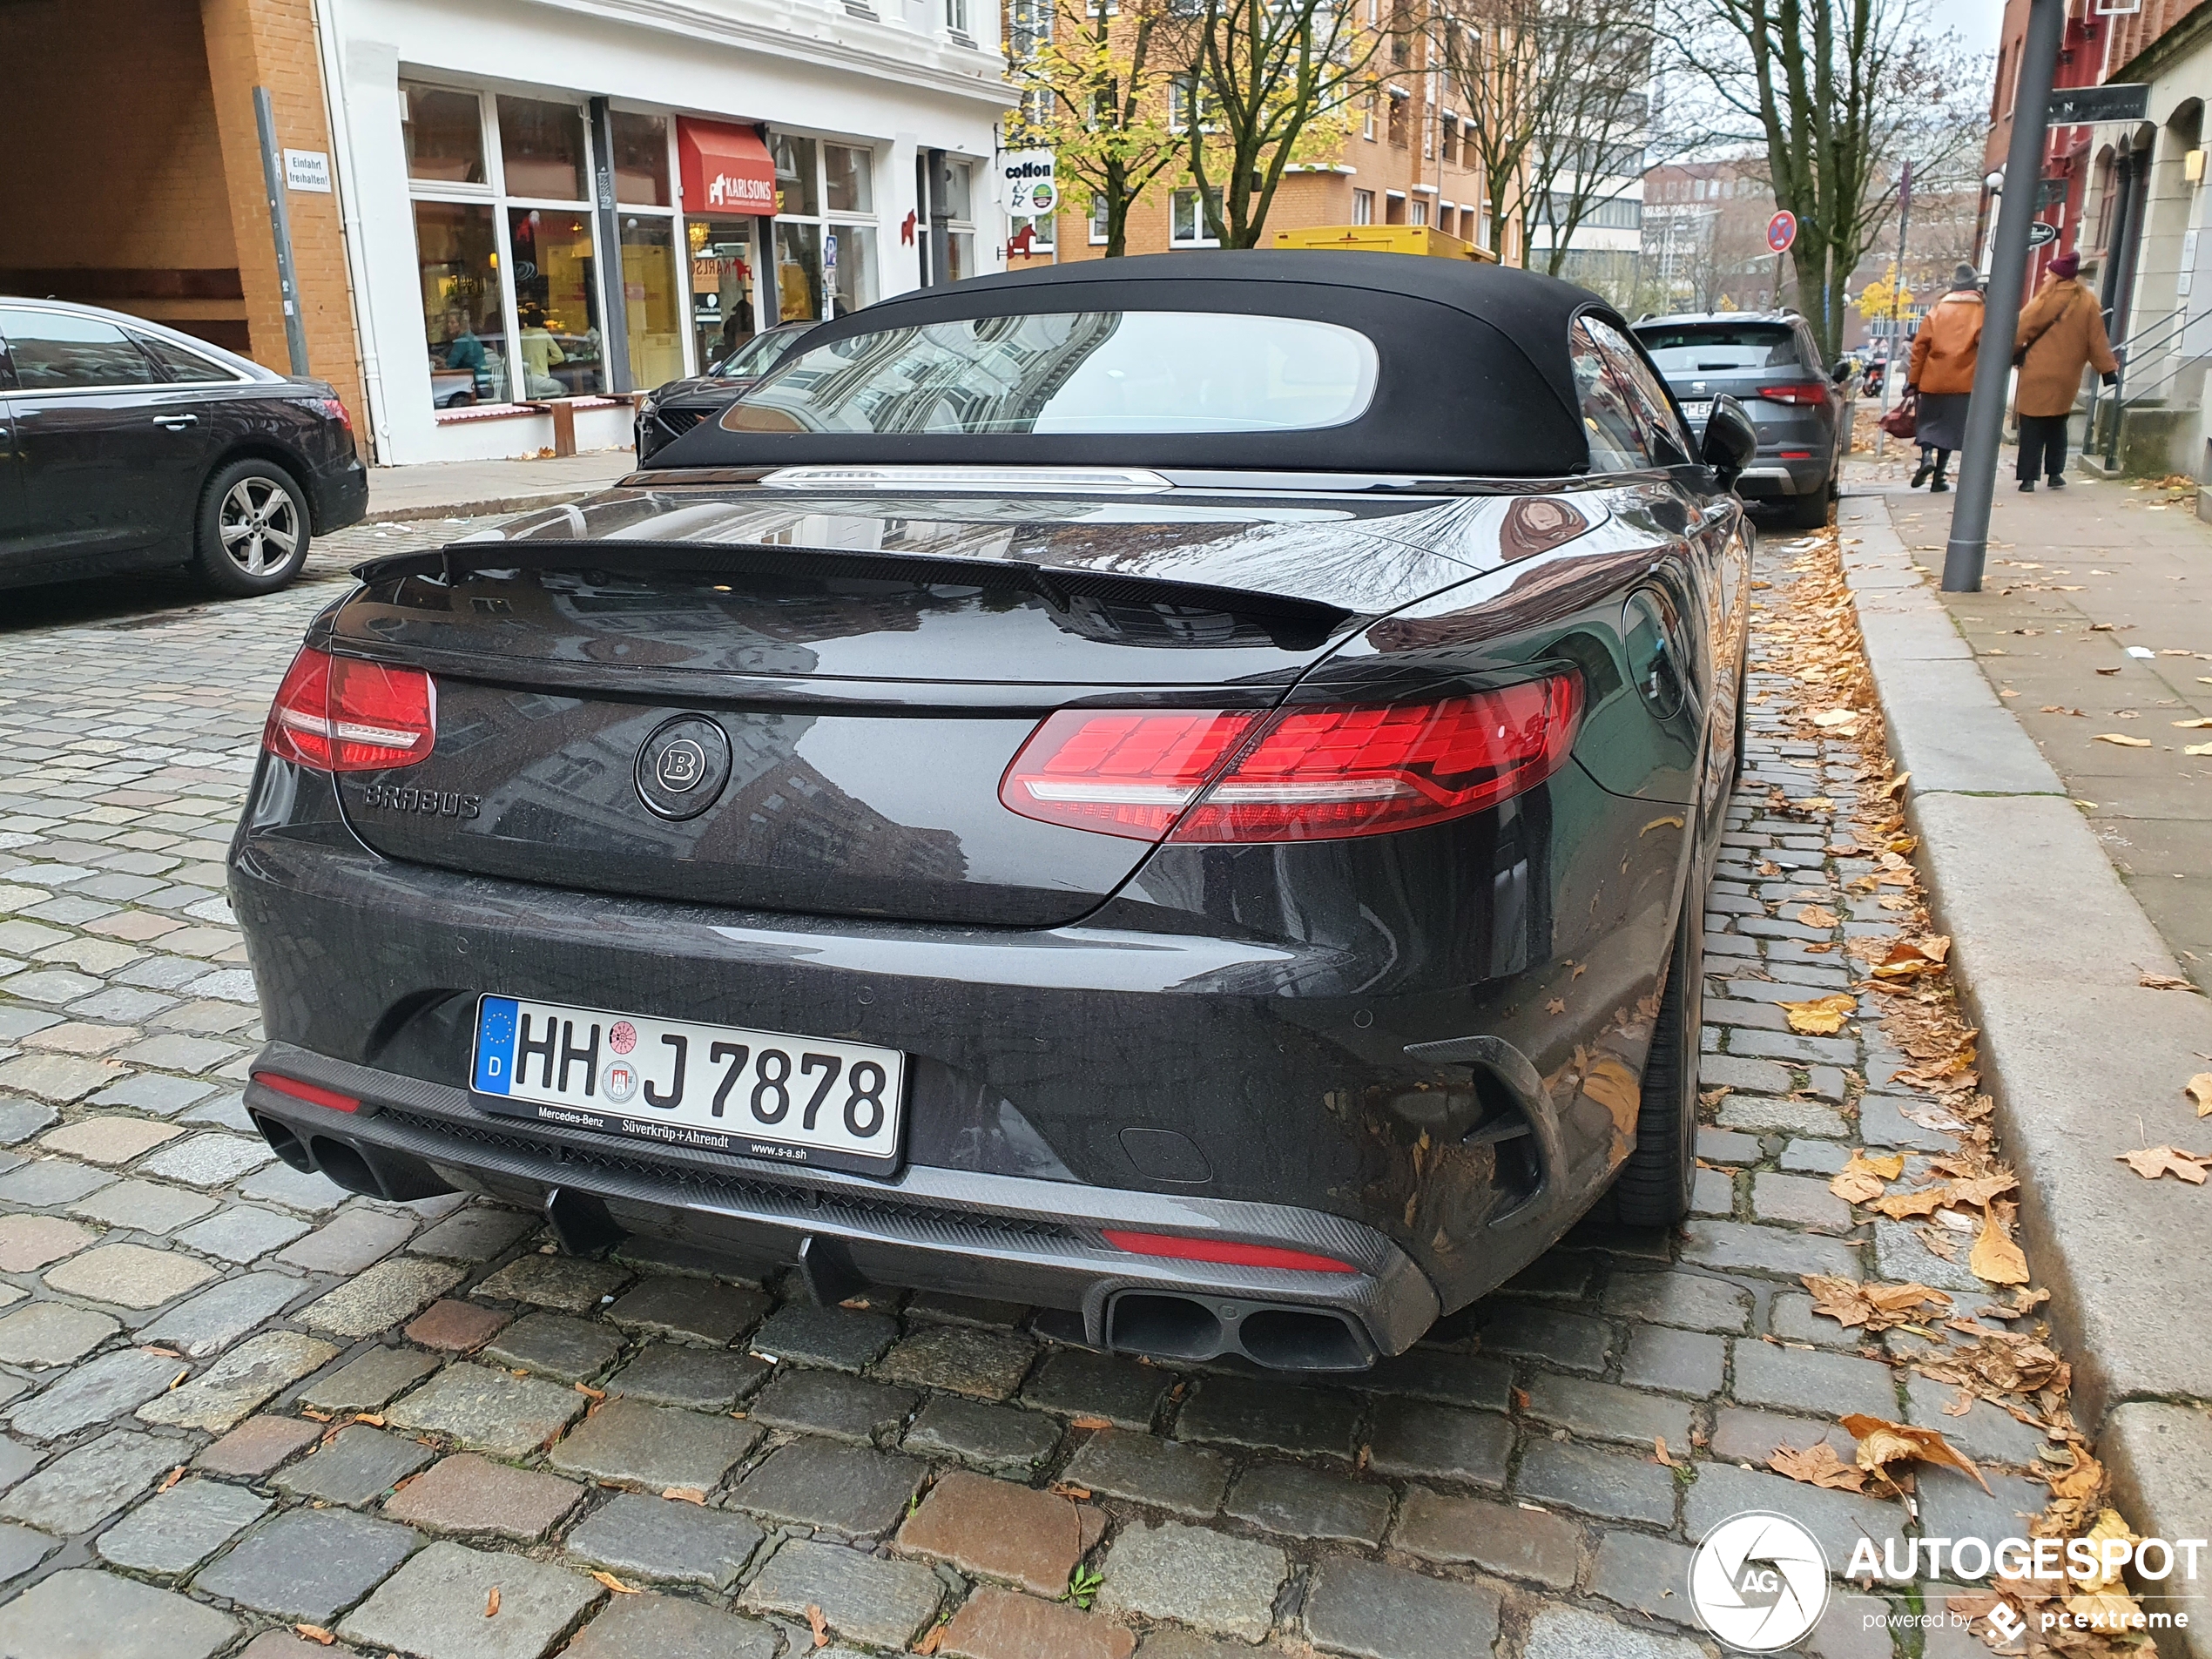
239	1402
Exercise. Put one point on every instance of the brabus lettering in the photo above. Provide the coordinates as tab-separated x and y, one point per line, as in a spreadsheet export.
425	803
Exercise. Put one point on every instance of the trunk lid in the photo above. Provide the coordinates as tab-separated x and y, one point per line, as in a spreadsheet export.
848	681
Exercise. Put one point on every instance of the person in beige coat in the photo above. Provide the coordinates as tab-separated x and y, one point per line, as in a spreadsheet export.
1945	350
2061	332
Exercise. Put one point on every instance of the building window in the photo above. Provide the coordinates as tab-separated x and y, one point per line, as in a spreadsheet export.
1030	28
1451	129
1393	207
1187	103
1042	233
1420	213
1099	222
1187	225
956	17
1367	115
645	196
1400	111
1363	206
724	260
464	315
824	227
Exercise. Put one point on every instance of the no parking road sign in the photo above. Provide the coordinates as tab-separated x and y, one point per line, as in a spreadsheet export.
1781	230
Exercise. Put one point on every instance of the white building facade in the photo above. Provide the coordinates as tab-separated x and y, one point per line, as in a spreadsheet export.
552	203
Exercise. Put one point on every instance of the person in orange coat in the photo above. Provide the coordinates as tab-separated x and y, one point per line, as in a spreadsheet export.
1942	372
2061	332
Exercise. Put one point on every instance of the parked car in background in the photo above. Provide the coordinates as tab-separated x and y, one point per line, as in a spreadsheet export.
668	412
1768	362
127	446
1177	791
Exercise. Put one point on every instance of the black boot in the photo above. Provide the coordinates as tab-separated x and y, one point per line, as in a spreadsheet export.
1920	474
1940	486
2027	486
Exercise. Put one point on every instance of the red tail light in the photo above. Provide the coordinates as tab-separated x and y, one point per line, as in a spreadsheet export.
1210	1250
308	1092
341	714
1295	775
1812	392
335	409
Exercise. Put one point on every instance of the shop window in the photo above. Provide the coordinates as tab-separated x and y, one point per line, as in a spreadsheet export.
848	179
1187	225
443	131
799	272
557	302
463	321
1363	206
541	150
798	184
960	204
723	257
655	327
849	262
641	159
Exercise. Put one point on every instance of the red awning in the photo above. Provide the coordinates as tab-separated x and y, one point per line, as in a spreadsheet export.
726	169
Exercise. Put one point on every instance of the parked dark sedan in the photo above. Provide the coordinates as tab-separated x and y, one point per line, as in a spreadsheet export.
127	446
668	412
1769	363
1178	790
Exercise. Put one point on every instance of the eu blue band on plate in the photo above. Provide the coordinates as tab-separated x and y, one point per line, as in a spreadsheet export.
495	1044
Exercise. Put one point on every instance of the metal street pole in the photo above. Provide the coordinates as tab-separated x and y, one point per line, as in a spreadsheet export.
1969	545
295	325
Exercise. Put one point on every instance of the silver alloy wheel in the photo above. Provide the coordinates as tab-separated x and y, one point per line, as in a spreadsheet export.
259	526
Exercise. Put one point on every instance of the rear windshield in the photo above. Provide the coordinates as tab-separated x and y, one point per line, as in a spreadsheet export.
1071	372
1715	348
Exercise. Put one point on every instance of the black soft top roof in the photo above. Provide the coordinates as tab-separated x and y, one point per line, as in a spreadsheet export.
1474	370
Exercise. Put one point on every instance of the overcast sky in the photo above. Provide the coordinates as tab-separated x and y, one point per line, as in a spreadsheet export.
1976	21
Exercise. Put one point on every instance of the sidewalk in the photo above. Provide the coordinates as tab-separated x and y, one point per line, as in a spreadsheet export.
2084	1060
2095	616
459	488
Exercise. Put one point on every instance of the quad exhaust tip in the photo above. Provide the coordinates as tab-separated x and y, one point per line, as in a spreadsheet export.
1164	1325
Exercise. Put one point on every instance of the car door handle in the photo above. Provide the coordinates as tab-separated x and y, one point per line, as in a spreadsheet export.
176	422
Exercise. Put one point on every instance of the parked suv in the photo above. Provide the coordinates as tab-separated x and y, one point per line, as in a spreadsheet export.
1768	362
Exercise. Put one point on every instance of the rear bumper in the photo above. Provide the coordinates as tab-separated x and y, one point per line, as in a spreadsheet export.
995	1236
1770	478
341	494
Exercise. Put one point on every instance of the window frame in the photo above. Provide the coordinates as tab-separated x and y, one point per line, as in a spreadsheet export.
1203	238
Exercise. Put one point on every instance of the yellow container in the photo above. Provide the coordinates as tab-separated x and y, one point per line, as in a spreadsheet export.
1385	239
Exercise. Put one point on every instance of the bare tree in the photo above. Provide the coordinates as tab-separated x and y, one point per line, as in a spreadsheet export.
1556	95
1269	83
1838	91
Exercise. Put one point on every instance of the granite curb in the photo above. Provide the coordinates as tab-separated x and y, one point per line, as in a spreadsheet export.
2083	1062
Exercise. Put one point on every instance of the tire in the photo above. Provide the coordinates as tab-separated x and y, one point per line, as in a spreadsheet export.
252	531
1652	1188
1809	512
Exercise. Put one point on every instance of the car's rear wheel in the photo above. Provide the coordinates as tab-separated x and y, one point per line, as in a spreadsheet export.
1654	1187
252	534
1810	512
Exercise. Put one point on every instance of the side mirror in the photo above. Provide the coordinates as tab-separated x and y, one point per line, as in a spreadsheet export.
1730	441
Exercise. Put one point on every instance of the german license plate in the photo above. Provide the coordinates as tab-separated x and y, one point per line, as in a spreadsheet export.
722	1088
1696	413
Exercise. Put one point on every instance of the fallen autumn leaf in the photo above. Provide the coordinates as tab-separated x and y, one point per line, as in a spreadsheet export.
1995	1258
2151	1162
1820	1017
1817	1466
1881	1443
2122	739
2199	1089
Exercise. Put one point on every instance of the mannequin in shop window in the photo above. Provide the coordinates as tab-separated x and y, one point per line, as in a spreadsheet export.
540	352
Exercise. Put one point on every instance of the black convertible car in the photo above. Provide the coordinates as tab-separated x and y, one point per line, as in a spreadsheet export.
1174	790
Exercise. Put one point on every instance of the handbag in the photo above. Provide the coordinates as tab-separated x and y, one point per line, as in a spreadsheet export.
1904	420
2049	323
